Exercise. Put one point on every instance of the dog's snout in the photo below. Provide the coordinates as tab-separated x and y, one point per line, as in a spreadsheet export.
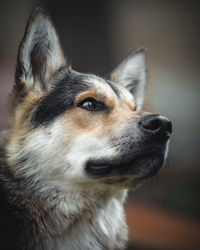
156	124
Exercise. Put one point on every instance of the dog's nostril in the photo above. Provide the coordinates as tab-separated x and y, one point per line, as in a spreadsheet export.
156	123
151	123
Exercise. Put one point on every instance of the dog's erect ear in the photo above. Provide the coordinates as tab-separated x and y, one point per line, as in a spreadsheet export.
40	54
131	74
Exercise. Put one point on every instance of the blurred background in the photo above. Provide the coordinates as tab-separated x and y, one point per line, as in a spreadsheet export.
164	212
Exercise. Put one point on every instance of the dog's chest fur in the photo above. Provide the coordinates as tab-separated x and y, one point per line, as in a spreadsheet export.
100	228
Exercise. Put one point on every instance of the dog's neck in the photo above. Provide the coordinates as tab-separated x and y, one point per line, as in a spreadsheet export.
98	216
72	218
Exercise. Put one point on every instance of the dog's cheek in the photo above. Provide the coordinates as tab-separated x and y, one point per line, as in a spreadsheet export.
81	120
84	148
113	123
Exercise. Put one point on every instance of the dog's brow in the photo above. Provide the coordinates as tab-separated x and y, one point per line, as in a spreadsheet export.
114	88
102	86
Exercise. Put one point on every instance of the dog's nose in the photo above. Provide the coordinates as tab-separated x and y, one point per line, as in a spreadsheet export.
157	124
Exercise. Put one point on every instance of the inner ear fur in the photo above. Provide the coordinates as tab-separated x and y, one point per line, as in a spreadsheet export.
40	55
131	74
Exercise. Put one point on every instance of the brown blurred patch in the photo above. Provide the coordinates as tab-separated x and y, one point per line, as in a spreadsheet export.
160	228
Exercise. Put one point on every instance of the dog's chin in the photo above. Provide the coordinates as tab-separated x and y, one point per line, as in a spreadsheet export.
143	166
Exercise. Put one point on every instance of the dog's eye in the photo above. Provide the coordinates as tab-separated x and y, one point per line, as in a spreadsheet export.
91	104
88	105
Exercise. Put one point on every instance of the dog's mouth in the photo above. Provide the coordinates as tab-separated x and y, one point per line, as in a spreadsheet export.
144	165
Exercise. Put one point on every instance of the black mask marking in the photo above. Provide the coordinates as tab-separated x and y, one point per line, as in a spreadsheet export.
59	99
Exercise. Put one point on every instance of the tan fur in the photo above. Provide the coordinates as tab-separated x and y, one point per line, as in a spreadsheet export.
130	104
23	112
105	122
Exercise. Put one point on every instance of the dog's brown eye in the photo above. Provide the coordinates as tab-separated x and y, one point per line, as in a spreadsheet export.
88	105
91	104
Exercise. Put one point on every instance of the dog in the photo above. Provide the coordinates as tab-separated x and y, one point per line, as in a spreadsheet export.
75	144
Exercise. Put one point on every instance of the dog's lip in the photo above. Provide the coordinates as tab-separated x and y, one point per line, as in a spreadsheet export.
103	167
98	166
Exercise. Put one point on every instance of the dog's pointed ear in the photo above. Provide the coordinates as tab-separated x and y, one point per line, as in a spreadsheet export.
40	54
131	74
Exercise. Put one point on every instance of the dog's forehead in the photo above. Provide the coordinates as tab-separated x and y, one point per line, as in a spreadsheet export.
101	86
107	88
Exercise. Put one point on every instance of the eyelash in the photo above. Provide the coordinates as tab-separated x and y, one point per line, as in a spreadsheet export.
95	105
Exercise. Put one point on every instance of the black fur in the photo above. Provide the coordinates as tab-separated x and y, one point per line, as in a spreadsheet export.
113	87
11	210
59	99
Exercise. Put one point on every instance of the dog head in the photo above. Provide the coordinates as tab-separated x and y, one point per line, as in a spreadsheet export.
68	127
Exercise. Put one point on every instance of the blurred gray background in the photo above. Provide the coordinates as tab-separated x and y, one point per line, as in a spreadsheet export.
96	35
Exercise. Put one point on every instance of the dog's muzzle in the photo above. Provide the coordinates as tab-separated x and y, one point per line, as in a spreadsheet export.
141	154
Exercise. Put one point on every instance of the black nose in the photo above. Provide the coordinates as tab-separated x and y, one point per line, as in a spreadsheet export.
157	124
